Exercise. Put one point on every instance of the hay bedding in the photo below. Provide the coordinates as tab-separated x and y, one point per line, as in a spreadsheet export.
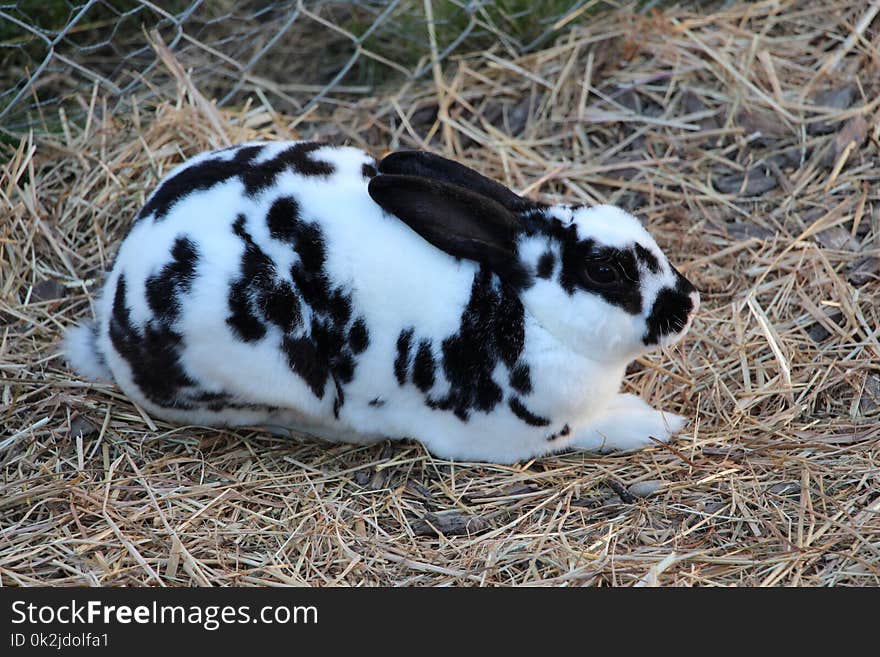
747	138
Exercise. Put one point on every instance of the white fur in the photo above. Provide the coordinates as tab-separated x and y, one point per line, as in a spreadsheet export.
577	345
628	423
79	347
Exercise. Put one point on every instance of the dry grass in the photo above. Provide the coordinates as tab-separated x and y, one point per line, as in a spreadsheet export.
721	131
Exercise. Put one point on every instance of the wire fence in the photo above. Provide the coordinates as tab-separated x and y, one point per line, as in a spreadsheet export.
295	53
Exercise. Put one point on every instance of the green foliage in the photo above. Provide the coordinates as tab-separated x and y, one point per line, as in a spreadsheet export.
51	16
468	26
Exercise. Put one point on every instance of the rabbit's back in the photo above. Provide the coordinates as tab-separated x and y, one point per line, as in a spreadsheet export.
263	280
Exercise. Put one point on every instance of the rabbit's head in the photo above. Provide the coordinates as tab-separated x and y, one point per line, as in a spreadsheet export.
591	276
601	284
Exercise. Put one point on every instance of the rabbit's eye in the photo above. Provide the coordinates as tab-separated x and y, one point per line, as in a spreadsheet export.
601	273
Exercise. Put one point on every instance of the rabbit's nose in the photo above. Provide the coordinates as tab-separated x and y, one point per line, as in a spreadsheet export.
670	315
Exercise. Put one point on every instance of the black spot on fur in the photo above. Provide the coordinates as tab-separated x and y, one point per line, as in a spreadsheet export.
153	350
340	307
491	331
508	325
521	379
282	219
255	176
212	396
650	260
564	431
670	312
334	336
525	415
470	355
401	363
304	359
198	177
358	336
424	366
259	291
244	323
298	157
545	264
320	348
280	305
329	345
342	366
175	278
377	402
368	170
339	400
152	353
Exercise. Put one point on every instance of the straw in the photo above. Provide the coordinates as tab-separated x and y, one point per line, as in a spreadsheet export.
727	132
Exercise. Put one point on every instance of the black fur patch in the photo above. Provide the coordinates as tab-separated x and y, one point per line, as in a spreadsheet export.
564	431
259	291
304	359
333	337
491	331
339	400
152	353
175	278
545	264
377	402
244	323
280	305
650	260
283	218
340	307
401	363
369	170
320	340
423	367
358	336
525	415
670	312
255	176
521	379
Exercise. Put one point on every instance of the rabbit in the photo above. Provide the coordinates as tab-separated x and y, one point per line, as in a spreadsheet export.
308	289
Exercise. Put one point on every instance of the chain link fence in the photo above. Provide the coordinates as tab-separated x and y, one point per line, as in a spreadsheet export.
54	53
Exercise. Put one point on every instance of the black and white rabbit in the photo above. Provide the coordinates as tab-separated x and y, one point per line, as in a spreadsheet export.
299	285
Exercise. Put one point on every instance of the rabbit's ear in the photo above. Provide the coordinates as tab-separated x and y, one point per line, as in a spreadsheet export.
428	165
456	220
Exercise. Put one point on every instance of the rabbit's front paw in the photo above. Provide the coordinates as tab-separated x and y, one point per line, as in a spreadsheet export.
627	429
